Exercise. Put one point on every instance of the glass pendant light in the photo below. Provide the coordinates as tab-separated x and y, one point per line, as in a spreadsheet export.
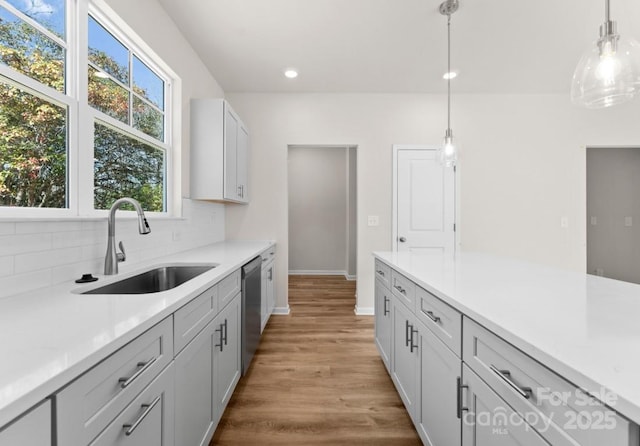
609	72
448	152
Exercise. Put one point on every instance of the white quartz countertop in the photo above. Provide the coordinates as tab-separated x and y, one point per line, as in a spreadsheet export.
585	328
50	336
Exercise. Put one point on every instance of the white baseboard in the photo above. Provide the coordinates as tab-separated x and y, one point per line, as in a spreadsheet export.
316	272
364	311
311	272
281	310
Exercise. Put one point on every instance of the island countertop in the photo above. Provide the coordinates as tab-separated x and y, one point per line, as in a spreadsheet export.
52	335
583	327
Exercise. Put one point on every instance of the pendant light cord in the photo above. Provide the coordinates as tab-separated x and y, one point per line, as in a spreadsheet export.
607	11
449	72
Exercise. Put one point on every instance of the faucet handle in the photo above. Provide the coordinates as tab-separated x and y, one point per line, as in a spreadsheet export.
121	256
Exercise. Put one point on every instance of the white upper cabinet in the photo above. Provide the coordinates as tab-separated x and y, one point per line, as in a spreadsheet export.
219	152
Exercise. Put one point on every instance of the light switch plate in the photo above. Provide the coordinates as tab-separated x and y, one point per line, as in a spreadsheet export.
373	220
628	221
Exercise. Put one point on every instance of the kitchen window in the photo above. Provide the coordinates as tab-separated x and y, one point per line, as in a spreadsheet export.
85	112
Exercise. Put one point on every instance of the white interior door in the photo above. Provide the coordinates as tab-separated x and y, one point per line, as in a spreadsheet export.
424	210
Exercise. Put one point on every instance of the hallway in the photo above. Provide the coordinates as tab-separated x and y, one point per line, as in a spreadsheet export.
317	378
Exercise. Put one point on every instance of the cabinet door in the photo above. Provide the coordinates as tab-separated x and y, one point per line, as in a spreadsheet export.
405	355
263	302
383	322
268	299
489	421
242	160
32	429
227	354
194	390
148	420
230	161
437	420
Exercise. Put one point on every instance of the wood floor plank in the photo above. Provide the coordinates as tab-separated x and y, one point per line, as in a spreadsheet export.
317	378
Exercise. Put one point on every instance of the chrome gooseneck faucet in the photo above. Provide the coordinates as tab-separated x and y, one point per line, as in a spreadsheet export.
112	257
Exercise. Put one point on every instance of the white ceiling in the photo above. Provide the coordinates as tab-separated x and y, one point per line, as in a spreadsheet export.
395	46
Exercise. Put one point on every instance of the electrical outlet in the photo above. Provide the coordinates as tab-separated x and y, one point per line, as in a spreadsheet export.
373	220
594	221
628	221
564	222
599	272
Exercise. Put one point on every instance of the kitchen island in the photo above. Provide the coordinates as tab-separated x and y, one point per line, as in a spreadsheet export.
578	332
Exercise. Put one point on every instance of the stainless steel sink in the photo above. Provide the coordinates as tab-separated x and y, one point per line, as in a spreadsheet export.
153	281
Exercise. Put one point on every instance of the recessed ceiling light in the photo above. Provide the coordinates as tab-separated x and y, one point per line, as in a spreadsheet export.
291	73
450	75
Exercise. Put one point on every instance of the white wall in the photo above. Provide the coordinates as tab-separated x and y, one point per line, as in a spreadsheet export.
35	254
318	219
613	183
522	167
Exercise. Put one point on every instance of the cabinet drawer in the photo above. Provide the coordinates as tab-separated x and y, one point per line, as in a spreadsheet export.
268	254
383	273
561	412
403	289
228	288
442	320
91	402
193	317
148	420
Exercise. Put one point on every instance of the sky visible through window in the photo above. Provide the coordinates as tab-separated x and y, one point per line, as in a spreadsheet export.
49	13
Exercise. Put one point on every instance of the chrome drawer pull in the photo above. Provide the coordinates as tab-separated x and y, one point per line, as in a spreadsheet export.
505	375
460	408
380	272
125	382
130	428
406	334
399	288
221	344
433	317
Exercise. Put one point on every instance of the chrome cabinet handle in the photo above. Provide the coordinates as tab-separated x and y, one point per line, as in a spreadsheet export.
433	317
239	191
226	326
411	345
460	408
126	382
130	428
505	375
379	271
386	310
402	239
399	288
270	274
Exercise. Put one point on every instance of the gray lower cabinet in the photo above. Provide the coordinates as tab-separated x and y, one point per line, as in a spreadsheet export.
195	412
207	371
405	355
383	322
227	356
147	420
438	415
31	429
487	420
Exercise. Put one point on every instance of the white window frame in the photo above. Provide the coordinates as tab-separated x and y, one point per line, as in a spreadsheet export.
81	116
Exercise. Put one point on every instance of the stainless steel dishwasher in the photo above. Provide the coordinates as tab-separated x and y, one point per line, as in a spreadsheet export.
251	306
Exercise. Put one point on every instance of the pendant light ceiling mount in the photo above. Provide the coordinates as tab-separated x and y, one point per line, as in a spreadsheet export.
448	153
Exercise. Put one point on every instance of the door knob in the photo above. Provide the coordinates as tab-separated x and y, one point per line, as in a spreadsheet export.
402	239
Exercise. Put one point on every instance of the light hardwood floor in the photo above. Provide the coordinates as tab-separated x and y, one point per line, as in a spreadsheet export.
317	378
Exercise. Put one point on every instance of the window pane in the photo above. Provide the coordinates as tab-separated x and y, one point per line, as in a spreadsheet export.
127	167
147	83
107	96
106	52
49	13
33	150
28	51
148	119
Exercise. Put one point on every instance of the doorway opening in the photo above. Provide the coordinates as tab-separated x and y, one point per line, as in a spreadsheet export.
613	212
322	200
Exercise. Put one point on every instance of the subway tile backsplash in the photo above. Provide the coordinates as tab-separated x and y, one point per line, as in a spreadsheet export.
36	254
